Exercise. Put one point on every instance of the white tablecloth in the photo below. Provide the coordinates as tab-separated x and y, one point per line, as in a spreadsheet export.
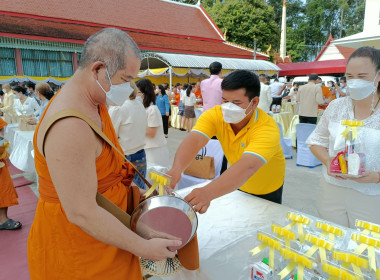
227	231
9	134
21	155
175	117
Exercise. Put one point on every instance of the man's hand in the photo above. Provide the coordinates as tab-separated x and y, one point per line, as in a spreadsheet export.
167	114
199	199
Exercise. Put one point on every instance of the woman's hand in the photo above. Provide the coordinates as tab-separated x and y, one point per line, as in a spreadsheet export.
367	177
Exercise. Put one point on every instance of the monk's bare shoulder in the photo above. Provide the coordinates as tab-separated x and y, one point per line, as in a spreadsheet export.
71	137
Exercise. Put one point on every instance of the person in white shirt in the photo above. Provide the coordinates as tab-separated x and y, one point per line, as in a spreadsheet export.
341	89
265	95
276	92
129	122
343	200
157	153
189	100
24	105
43	93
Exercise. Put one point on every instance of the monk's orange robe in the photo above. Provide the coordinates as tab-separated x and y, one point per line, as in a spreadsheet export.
58	249
198	94
8	194
177	98
326	94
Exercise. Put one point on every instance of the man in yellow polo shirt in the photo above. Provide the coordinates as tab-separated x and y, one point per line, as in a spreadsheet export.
250	140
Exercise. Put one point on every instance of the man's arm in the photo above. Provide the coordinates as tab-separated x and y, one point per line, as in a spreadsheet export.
70	149
185	154
282	89
232	179
319	97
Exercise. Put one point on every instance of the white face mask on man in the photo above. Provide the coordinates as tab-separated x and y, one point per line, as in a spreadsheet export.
232	113
117	94
359	89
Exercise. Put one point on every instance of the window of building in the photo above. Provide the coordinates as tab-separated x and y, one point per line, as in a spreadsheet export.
7	62
46	63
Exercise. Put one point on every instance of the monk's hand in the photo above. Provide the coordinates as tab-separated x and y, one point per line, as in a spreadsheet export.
175	177
199	199
158	249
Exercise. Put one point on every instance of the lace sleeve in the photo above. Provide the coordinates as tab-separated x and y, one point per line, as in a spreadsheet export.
320	135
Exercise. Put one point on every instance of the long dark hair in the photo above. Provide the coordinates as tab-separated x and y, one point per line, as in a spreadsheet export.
188	90
162	89
146	87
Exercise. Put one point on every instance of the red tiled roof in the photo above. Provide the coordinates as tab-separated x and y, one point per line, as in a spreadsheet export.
20	27
319	67
150	15
345	51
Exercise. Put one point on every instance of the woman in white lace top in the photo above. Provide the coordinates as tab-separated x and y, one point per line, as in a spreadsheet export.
344	200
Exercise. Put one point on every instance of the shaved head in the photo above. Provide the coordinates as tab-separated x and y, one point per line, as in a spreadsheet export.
111	46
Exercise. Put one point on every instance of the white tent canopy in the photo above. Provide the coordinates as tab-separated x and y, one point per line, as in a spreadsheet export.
371	39
150	60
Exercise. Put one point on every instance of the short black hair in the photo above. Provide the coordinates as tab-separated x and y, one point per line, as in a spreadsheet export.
20	89
343	79
1	92
215	68
146	87
243	79
31	85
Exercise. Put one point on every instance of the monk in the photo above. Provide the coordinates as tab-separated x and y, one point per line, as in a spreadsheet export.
198	92
8	195
327	95
72	237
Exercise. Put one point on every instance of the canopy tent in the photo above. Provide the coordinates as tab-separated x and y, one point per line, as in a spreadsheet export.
159	60
362	39
319	67
21	79
169	65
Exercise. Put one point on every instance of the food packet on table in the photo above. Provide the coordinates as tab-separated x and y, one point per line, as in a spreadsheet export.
335	271
350	161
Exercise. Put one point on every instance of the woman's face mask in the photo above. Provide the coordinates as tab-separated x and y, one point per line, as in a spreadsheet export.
359	89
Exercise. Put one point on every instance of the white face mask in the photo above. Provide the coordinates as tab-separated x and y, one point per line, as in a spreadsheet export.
319	84
233	113
17	96
117	94
139	98
359	89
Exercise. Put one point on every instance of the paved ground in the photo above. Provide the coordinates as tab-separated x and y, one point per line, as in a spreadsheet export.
299	187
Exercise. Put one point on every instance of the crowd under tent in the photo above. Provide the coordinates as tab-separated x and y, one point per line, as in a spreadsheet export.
175	68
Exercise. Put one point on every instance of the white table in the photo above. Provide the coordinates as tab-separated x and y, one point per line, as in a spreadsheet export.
226	232
21	156
9	133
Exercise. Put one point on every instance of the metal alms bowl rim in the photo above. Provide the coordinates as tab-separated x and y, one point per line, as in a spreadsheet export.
165	201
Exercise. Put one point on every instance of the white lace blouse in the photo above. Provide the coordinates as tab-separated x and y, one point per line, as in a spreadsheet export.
328	135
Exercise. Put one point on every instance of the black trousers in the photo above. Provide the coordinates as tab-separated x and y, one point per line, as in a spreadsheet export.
165	123
312	120
275	196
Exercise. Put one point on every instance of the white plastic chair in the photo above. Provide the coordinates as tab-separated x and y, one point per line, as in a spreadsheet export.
213	149
286	144
304	156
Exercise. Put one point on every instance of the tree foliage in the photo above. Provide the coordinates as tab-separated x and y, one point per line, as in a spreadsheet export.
309	22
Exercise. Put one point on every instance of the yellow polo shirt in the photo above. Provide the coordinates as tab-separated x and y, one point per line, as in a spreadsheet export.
260	138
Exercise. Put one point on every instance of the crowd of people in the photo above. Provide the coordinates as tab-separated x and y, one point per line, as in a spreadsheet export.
102	104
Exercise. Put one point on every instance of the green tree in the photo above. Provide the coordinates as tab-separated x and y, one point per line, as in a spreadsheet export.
245	20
